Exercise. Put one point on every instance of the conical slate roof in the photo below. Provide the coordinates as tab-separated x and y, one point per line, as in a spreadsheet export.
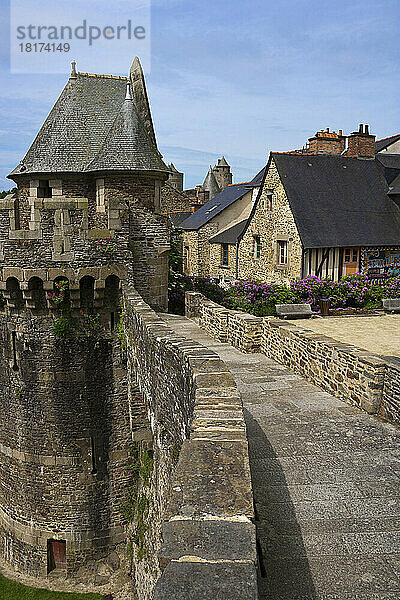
222	162
210	184
73	135
127	146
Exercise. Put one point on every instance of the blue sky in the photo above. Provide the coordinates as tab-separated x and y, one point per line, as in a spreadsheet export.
238	78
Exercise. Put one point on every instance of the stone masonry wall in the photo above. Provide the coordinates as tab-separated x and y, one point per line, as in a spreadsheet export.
172	200
271	226
64	437
354	375
199	537
390	408
241	330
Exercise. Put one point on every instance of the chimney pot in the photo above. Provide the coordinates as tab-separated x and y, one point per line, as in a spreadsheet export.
361	128
340	132
327	130
367	129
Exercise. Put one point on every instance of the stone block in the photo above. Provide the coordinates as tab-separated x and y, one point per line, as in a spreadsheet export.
209	540
198	581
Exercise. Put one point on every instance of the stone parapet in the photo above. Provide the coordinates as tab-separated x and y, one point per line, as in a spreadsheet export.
240	329
358	377
202	520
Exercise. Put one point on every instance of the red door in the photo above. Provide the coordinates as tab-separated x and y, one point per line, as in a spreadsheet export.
56	554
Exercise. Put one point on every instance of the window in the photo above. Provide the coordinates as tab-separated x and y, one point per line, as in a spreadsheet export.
100	207
282	252
186	258
269	202
225	255
44	190
257	246
350	255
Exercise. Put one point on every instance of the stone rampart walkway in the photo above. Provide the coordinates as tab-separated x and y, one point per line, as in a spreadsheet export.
326	480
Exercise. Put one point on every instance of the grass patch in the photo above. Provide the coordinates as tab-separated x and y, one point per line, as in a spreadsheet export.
11	590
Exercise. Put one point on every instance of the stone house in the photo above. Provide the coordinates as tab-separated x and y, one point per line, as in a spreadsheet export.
326	210
226	215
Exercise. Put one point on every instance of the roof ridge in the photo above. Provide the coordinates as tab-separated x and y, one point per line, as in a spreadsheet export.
100	76
387	138
308	154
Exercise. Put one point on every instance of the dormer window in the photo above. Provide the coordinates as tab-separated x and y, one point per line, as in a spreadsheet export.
44	190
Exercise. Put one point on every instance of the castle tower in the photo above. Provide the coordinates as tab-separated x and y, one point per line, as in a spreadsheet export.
175	178
210	184
222	173
85	218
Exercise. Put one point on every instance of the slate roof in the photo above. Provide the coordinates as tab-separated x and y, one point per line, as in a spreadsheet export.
395	186
215	206
385	142
210	184
257	180
222	162
230	235
127	146
177	218
77	125
338	201
390	164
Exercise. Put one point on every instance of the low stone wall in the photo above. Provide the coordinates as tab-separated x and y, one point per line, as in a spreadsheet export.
356	376
352	374
199	532
390	408
240	329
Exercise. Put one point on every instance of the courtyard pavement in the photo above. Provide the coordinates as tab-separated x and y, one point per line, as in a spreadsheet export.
326	482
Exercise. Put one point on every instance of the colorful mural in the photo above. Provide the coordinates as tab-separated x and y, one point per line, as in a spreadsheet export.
381	263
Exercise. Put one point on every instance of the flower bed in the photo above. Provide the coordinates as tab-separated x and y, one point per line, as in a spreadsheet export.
259	298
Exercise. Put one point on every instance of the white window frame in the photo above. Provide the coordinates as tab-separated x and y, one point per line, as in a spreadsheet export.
100	196
283	252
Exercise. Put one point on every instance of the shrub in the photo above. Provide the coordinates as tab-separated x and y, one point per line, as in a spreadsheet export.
259	298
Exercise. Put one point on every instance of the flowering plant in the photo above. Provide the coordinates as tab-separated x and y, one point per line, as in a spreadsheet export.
259	298
106	246
59	294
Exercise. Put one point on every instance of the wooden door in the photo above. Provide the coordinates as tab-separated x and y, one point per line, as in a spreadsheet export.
56	554
351	259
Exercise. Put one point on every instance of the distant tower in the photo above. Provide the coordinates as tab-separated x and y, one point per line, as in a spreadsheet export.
210	184
222	173
175	178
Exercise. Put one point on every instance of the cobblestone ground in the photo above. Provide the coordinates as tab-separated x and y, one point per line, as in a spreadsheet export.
326	481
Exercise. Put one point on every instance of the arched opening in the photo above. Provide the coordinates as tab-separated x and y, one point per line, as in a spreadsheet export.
112	296
86	290
14	292
35	285
60	295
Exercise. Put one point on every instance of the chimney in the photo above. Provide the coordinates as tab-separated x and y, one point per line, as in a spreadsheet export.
327	142
361	144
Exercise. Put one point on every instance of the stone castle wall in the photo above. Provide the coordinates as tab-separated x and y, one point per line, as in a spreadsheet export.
64	445
352	374
70	231
200	540
174	200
